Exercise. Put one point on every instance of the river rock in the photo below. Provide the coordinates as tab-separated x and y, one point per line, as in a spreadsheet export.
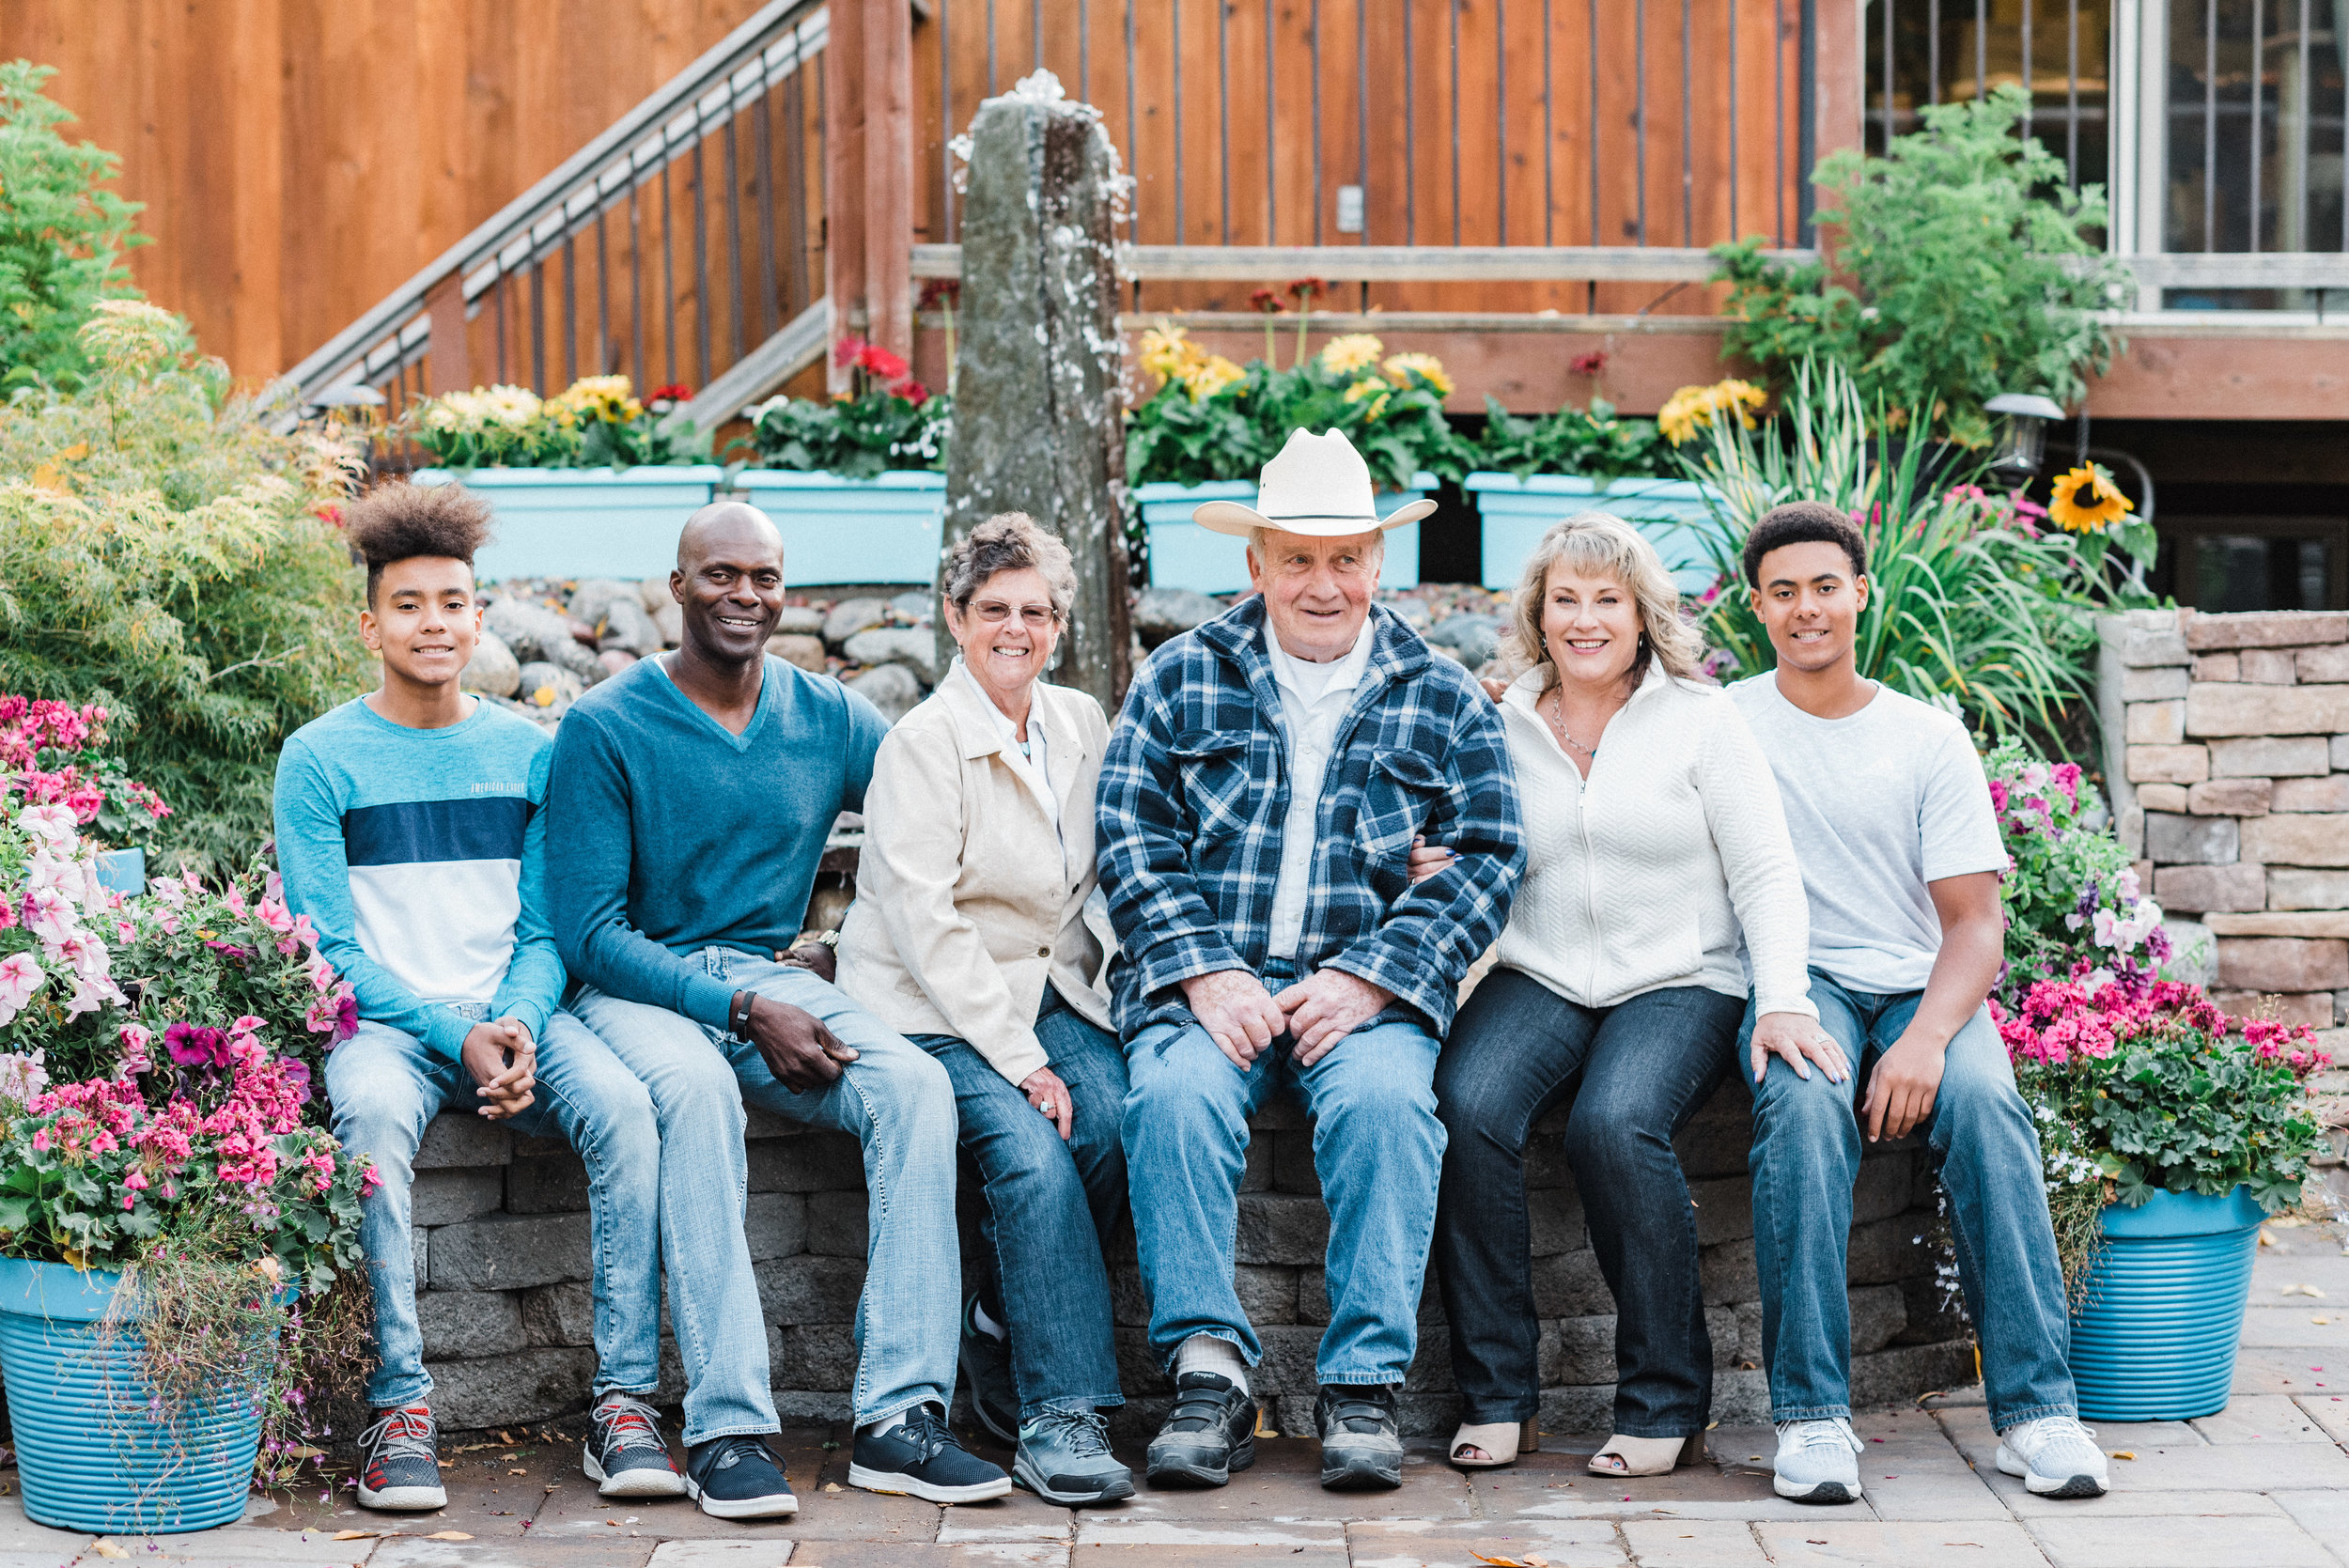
613	660
1475	637
852	615
535	632
799	620
626	626
914	607
890	688
546	689
1164	613
798	647
913	648
669	620
492	669
653	593
596	594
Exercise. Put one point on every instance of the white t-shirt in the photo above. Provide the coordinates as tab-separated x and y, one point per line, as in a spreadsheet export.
1879	805
1313	697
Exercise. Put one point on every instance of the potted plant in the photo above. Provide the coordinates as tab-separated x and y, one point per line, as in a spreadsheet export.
1534	472
856	484
172	1215
56	754
1211	425
588	483
2167	1128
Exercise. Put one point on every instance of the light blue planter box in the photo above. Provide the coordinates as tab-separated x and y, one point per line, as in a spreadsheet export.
573	523
887	529
1185	555
2154	1338
122	871
1671	513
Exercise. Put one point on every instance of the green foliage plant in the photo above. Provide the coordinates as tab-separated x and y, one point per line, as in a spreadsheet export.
1592	443
2070	889
1969	608
887	421
62	238
168	553
595	422
1958	266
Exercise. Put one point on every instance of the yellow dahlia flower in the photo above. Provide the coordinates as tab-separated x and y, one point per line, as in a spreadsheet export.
1167	351
1375	391
1209	376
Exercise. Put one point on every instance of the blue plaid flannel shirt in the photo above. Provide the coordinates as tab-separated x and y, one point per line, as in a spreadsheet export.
1194	791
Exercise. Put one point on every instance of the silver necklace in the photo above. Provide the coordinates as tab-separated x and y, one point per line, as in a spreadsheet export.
1557	720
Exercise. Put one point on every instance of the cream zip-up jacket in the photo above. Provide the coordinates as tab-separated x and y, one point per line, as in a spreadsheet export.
968	899
1643	876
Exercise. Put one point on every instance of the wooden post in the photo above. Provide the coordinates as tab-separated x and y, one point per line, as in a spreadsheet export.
1842	75
844	182
450	369
868	225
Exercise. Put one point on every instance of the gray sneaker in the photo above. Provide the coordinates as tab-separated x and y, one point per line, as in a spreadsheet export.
1361	1443
1818	1461
2056	1456
1064	1458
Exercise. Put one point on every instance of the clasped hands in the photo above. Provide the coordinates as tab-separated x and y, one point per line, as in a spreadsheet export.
503	1060
1243	1019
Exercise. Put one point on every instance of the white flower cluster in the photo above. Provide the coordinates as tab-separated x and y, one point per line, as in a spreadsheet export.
499	408
60	886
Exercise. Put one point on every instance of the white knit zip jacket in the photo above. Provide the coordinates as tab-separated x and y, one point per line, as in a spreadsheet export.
1642	875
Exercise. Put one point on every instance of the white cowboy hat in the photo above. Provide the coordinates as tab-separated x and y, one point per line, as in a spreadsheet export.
1317	485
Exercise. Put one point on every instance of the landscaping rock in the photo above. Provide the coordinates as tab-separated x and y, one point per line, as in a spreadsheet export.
852	615
801	649
625	626
653	593
615	660
544	689
1161	613
914	607
890	688
798	619
593	598
913	648
1475	637
470	1323
669	620
492	668
535	632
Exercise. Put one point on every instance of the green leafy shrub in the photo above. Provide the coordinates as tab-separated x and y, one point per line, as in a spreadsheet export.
1960	266
1590	443
61	237
166	554
888	420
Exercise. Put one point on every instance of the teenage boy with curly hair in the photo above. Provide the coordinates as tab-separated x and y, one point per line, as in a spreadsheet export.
409	831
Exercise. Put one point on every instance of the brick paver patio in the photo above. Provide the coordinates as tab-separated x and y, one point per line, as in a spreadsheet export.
2265	1484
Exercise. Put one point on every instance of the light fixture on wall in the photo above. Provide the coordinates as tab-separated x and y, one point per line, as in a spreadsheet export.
2022	432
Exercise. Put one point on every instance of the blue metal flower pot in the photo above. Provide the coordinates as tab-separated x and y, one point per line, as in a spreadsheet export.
2155	1341
91	1456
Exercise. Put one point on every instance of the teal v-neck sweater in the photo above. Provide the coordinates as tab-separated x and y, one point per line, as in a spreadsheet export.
666	834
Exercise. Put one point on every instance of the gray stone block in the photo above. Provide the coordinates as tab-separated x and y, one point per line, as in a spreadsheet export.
1289	1350
1137	1369
1281	1228
2142	648
551	1184
452	1140
776	1224
560	1315
2156	684
1256	1174
470	1323
1555	1217
420	1247
1720	1327
1878	1314
1725	1209
1742	1398
813	1356
1589	1407
1727	1272
1569	1284
1749	1332
1902	1371
1268	1293
1718	1139
1579	1350
810	1289
1889	1251
1312	1299
1886	1182
511	1253
836	1223
1293	1164
2269	756
1282	1112
818	1161
510	1391
1129	1298
451	1195
2174	840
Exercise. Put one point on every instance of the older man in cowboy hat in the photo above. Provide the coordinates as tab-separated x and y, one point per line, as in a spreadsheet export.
1257	807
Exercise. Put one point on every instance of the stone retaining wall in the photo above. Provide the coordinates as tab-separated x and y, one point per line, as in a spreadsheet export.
2227	741
503	1263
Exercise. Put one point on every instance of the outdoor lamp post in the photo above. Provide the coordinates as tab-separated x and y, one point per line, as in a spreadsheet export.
2023	433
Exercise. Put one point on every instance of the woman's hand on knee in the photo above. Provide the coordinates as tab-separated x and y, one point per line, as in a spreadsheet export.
1049	1095
1798	1038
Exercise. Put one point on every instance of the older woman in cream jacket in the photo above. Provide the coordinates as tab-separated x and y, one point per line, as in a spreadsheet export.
968	936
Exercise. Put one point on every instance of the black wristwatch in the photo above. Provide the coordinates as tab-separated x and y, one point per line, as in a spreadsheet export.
739	1015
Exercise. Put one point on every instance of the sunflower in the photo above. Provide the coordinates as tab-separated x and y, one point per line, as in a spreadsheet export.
1401	367
1342	356
2087	500
1693	407
1207	375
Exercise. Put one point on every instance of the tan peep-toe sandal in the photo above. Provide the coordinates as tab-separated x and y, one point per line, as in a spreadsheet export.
1648	1455
1501	1442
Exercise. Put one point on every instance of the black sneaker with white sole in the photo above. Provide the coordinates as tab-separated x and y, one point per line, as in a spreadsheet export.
921	1457
627	1456
737	1478
401	1471
1210	1432
986	1376
1361	1439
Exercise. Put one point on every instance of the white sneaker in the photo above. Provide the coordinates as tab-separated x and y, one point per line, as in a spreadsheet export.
1818	1461
2056	1456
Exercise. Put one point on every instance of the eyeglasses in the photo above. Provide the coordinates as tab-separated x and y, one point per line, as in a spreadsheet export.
1034	616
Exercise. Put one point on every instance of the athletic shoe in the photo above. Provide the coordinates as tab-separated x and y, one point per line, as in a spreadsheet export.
627	1456
737	1478
921	1457
1211	1433
401	1473
1818	1461
1361	1439
1064	1458
986	1376
2056	1456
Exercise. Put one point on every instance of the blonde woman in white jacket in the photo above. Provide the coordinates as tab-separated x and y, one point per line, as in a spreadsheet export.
1654	839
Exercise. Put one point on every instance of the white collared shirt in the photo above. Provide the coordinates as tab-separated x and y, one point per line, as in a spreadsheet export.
1313	699
1027	758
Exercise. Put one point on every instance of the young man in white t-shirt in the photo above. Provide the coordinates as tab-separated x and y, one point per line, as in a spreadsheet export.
1900	857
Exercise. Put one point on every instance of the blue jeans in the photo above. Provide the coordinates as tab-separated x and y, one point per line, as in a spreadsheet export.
387	1087
1638	1072
1377	1148
1053	1208
1806	1156
900	1106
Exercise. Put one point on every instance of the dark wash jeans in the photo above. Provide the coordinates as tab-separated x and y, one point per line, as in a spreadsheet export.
1806	1156
1053	1208
1638	1072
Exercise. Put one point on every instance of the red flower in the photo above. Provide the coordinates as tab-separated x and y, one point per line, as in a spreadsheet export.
1589	364
676	392
880	362
1306	289
1266	301
912	391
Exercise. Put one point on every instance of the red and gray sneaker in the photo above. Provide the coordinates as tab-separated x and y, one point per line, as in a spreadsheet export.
627	1456
401	1471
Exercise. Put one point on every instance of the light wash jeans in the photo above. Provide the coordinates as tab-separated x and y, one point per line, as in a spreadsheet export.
1807	1142
1377	1148
1053	1208
387	1087
901	1106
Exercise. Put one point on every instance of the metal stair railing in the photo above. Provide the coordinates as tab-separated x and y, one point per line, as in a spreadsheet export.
715	186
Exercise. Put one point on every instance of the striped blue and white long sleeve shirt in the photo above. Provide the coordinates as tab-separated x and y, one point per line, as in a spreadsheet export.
420	856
